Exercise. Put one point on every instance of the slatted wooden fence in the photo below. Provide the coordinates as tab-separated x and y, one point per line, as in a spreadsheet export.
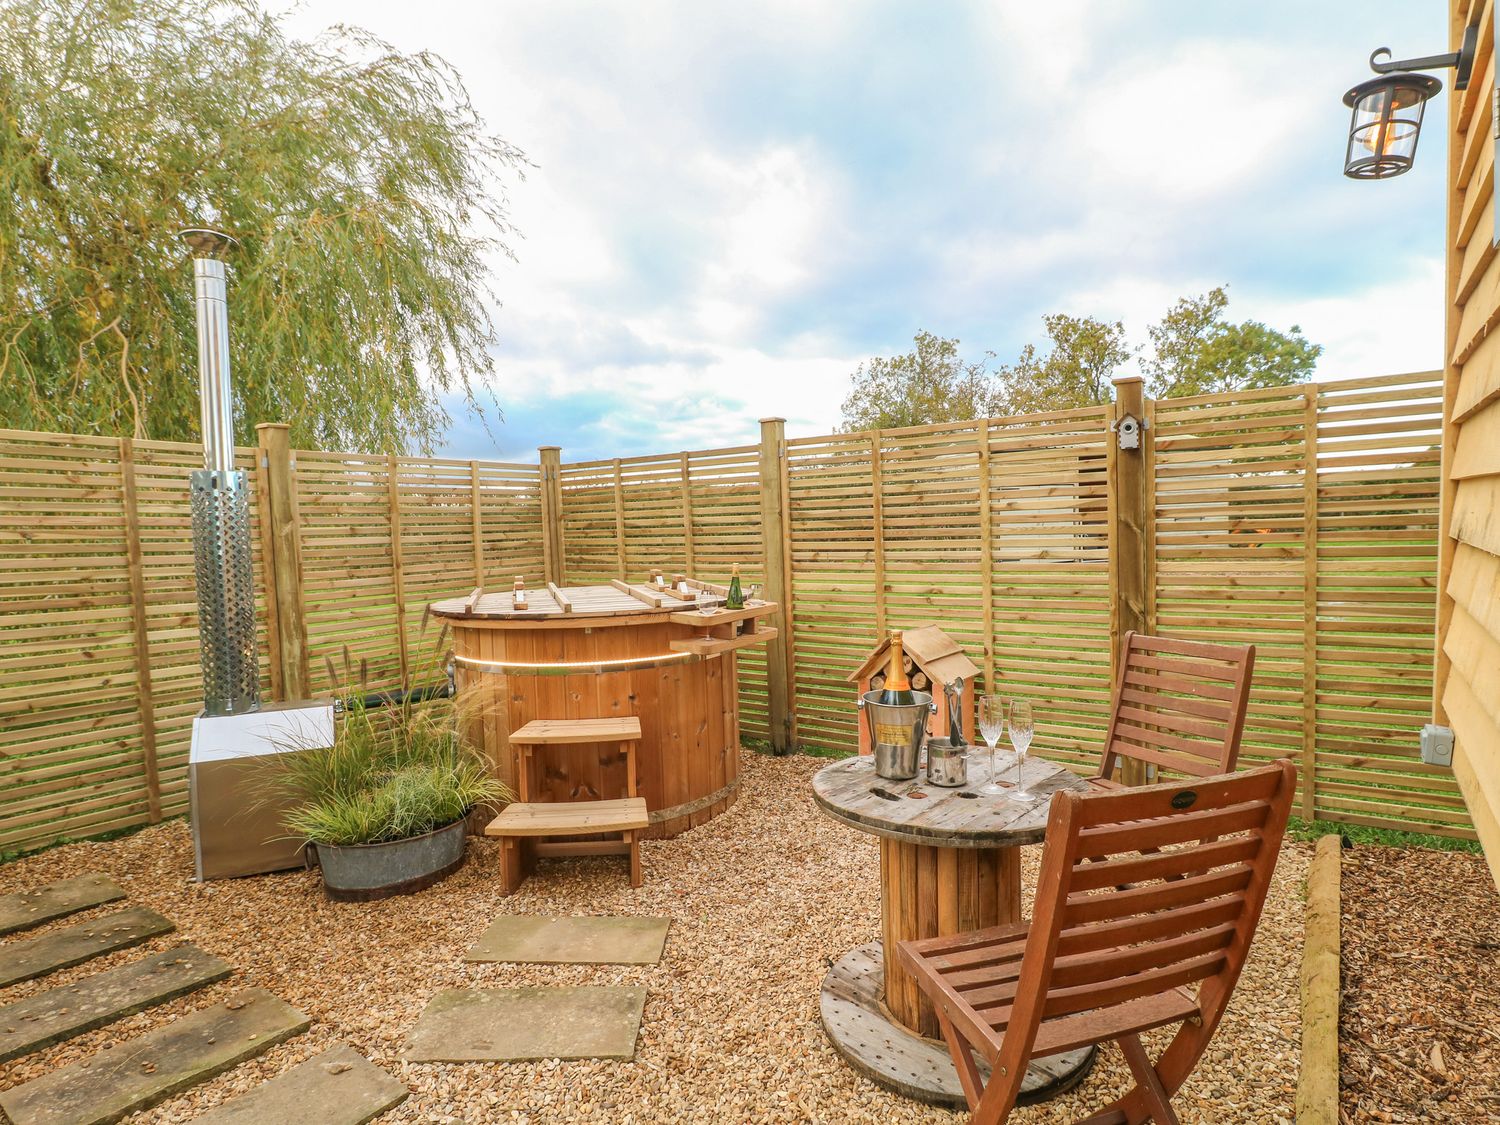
99	673
1301	518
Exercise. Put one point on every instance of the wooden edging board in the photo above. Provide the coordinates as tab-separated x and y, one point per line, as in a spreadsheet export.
1318	1082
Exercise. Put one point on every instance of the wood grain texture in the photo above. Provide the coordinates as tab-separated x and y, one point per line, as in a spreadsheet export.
1120	934
1469	533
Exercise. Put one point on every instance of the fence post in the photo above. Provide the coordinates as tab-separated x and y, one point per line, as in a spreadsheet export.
552	514
281	550
773	550
145	696
1310	603
877	523
620	554
398	564
1132	554
476	522
689	553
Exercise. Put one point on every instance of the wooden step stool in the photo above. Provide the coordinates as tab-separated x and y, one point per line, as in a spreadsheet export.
521	822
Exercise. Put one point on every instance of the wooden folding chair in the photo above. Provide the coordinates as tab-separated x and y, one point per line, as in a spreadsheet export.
1152	934
1178	705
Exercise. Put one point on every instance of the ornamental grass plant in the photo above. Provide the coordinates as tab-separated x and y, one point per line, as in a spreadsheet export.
395	770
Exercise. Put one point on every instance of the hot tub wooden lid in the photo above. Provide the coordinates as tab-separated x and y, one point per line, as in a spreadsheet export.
617	599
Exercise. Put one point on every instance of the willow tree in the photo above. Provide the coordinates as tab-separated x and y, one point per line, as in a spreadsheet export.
364	191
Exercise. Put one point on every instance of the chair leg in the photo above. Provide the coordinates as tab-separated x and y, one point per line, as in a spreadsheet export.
963	1061
634	840
1148	1082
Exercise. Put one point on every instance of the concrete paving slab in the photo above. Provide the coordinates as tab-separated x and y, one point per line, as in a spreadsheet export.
518	1024
25	909
61	1013
572	941
75	944
338	1087
141	1072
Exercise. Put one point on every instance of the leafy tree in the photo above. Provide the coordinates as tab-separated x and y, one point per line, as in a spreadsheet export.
1195	351
930	383
1086	353
360	183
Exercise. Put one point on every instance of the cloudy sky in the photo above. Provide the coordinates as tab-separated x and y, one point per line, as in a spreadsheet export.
732	205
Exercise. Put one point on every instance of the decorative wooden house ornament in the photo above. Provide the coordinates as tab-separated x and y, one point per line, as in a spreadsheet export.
933	660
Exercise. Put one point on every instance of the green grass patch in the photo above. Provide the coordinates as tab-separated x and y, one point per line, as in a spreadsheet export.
1311	830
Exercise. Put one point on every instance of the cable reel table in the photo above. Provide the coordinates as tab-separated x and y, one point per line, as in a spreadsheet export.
950	862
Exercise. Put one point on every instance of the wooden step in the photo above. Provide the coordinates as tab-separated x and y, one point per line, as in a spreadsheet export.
142	1072
338	1087
561	732
73	945
26	909
570	818
61	1013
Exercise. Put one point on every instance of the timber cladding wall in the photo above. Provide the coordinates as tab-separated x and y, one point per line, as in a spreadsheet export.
1301	518
1469	614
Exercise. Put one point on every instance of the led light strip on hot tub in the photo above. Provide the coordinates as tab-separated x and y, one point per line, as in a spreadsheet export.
577	667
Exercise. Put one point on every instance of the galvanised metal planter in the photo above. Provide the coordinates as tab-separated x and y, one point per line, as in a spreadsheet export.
364	872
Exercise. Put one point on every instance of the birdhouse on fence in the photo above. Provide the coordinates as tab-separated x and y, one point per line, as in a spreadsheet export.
933	661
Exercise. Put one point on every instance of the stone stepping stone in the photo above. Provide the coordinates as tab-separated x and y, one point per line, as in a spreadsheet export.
144	1071
522	1024
73	945
572	941
61	1013
25	909
338	1087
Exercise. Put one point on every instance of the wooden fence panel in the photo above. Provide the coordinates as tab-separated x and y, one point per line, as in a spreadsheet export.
697	513
96	566
1376	573
1049	501
835	556
1300	518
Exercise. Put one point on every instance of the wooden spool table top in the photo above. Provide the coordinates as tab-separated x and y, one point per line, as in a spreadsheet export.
917	812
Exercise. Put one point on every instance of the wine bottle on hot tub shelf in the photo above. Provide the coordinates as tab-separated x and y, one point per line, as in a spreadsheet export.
897	690
736	596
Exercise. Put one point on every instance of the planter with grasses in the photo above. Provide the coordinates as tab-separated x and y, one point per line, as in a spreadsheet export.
384	809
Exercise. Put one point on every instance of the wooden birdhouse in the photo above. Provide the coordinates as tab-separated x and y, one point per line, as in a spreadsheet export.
933	660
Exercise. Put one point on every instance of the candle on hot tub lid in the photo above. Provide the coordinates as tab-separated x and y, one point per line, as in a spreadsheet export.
518	593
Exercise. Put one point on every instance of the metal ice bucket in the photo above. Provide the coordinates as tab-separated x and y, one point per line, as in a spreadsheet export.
897	733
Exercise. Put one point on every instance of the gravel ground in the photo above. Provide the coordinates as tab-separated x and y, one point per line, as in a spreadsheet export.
1419	1035
762	899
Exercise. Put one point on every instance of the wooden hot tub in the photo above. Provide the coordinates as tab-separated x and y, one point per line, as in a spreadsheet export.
605	651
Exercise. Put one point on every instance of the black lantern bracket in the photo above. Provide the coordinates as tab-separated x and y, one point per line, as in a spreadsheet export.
1461	60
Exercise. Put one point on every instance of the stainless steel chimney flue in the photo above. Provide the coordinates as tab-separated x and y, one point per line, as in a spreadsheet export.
221	502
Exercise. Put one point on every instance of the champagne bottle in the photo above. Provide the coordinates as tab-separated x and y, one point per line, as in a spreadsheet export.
897	691
736	598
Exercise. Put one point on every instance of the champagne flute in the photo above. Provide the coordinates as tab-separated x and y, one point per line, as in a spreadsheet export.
1021	729
991	726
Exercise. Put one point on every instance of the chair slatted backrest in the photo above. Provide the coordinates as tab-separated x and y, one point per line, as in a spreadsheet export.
1143	892
1178	705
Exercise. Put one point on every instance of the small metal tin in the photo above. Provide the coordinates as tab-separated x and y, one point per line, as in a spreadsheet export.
947	765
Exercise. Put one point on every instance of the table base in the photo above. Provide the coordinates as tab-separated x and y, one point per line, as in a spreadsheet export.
862	1030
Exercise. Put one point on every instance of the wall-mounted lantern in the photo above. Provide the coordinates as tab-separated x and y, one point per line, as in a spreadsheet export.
1387	109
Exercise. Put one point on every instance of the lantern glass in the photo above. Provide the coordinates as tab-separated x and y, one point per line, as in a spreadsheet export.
1387	121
